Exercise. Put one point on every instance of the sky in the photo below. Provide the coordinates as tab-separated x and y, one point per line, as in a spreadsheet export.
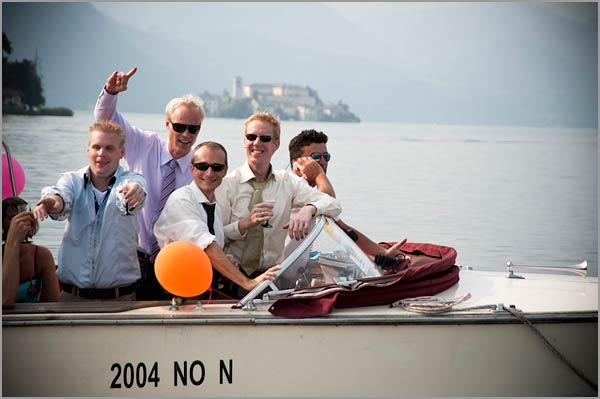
454	62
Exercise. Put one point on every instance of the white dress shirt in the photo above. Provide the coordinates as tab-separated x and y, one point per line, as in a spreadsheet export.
184	219
288	191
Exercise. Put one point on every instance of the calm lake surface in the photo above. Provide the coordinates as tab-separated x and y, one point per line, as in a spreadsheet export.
492	193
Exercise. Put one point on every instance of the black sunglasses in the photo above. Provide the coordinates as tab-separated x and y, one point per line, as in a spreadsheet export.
203	166
317	155
264	139
180	128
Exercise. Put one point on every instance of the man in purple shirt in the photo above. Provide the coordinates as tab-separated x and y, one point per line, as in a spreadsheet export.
156	159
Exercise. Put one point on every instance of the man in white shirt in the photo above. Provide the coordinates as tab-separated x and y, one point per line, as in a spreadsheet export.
190	215
243	197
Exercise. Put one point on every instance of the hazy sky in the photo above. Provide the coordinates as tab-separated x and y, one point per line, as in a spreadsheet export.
453	62
495	52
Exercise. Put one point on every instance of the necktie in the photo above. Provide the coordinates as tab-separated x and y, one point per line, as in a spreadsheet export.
210	213
168	186
253	244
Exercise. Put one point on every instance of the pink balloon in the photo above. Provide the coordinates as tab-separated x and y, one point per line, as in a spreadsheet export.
18	174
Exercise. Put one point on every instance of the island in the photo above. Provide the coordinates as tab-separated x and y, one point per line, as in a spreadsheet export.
288	101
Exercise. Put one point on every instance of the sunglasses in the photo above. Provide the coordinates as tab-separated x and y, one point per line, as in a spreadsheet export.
180	128
264	139
317	156
203	166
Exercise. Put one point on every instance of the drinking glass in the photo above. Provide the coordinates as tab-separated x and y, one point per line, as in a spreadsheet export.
266	224
24	208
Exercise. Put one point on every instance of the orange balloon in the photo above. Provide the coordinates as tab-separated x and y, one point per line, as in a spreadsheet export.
183	269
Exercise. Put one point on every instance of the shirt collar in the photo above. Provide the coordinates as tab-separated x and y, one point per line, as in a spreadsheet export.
165	156
87	177
199	196
246	173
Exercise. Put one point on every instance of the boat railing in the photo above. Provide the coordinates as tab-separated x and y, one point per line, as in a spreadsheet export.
579	269
10	169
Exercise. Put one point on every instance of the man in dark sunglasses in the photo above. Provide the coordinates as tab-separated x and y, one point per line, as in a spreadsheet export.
244	194
190	215
309	160
164	164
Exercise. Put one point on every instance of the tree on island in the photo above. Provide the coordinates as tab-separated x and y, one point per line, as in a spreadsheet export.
21	76
239	109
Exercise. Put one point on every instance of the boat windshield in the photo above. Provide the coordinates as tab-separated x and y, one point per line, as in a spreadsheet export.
326	256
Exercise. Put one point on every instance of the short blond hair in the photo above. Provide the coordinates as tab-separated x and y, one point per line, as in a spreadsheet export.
107	127
267	117
189	101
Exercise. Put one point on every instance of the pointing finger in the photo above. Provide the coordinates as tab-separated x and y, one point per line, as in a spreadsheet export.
131	72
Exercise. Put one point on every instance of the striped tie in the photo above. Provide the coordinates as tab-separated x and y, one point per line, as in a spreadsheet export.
168	187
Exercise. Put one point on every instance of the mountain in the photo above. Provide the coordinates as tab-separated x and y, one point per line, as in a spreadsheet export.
78	48
471	63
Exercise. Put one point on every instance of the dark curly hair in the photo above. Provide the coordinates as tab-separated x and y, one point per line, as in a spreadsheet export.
306	137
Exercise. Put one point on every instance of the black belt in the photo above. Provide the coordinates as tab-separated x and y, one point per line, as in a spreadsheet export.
98	293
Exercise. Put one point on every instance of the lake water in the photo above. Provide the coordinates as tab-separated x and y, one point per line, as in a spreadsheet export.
492	193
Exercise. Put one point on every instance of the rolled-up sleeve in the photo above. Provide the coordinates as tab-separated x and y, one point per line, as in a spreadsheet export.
106	106
65	189
306	195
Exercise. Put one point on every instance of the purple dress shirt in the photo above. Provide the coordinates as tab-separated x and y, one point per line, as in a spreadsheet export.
145	153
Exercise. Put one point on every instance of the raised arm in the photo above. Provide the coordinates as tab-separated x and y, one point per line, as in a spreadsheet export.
138	142
117	81
368	246
313	173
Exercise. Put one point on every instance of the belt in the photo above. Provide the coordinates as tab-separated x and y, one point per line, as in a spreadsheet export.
98	293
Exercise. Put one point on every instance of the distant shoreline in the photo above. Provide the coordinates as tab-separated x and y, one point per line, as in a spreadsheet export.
56	111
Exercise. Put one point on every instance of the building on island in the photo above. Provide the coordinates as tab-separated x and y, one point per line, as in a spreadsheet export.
289	102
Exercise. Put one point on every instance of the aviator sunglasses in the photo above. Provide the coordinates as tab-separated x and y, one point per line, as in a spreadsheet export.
180	128
264	139
317	156
203	166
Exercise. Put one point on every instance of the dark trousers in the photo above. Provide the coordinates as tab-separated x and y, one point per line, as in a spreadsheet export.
148	288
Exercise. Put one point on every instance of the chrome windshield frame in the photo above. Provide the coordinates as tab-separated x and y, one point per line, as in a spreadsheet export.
287	262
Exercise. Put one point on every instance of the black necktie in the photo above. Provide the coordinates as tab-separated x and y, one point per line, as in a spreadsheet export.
210	213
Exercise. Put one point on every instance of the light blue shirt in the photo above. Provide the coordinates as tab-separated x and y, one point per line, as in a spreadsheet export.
145	153
99	249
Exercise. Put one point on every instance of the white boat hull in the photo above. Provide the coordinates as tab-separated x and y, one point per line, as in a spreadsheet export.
370	351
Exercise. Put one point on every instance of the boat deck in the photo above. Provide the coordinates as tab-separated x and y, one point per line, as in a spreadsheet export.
541	297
